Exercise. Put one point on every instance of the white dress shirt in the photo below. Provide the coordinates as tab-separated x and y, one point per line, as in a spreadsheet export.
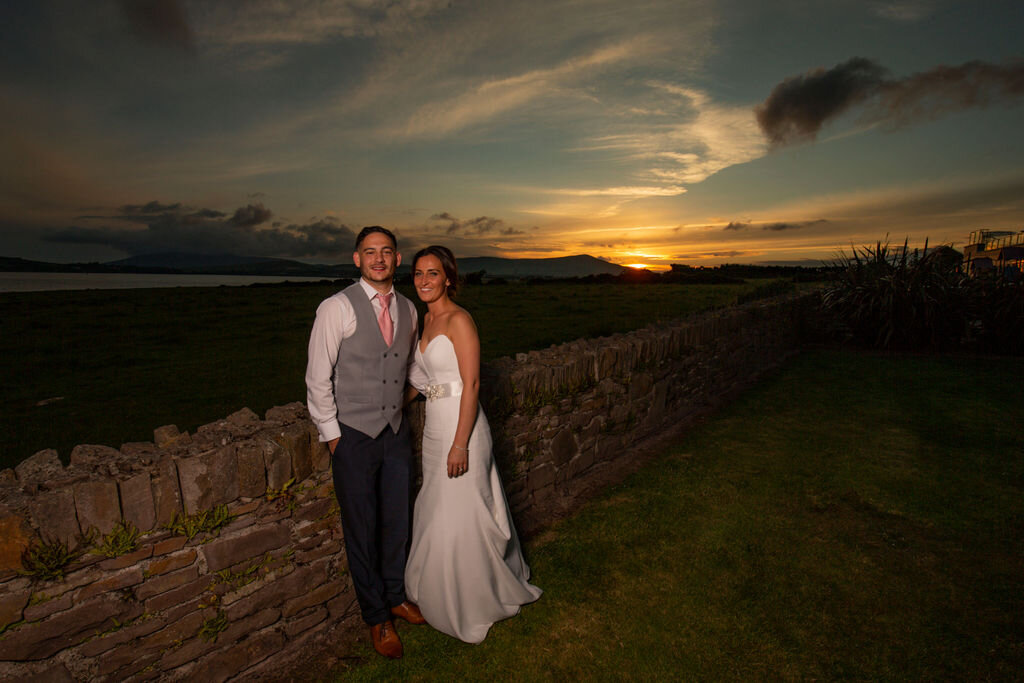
335	322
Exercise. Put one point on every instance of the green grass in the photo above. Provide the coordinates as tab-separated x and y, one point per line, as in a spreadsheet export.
122	362
854	517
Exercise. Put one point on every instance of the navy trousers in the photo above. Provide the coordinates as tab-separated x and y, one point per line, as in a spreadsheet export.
373	484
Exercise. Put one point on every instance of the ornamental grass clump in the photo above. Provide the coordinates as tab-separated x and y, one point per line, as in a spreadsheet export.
903	299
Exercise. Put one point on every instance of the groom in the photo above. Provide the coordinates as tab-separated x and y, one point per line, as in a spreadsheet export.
359	353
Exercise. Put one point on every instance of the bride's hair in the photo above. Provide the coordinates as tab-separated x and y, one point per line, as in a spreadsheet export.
447	259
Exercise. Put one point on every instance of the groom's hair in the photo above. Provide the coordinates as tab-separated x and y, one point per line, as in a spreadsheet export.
372	229
447	259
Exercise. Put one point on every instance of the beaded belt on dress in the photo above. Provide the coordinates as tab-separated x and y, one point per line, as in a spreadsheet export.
436	391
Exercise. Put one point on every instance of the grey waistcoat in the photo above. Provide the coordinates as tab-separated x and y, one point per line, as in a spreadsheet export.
369	377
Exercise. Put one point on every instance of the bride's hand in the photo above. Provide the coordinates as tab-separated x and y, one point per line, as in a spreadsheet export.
458	461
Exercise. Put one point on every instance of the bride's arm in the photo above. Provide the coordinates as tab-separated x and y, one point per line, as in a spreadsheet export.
466	341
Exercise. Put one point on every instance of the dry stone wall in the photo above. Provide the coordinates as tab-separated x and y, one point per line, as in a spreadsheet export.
218	555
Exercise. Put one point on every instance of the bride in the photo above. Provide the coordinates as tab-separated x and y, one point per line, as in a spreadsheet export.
465	567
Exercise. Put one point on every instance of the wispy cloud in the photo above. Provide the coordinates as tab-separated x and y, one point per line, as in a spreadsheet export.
273	23
686	137
491	98
903	10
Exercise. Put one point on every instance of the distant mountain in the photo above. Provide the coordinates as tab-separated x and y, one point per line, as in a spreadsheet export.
564	266
231	264
181	259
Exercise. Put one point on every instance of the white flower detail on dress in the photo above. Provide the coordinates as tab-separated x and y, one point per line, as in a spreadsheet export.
436	391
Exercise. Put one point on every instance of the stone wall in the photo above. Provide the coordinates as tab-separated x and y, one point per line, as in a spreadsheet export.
237	568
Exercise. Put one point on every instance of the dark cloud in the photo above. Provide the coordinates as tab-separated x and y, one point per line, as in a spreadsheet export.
777	227
164	21
512	231
149	208
251	215
481	225
173	227
798	107
774	226
712	254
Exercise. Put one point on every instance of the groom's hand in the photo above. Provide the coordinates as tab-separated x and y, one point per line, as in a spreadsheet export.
332	444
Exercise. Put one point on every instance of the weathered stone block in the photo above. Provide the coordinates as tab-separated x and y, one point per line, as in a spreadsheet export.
563	447
252	472
276	459
143	452
169	545
124	579
344	605
137	501
292	412
46	638
305	622
243	417
127	559
12	602
273	593
208	480
125	661
319	453
165	582
15	536
166	435
540	476
180	629
178	597
42	466
171	562
225	552
228	662
44	609
294	438
166	492
97	504
313	510
313	597
94	455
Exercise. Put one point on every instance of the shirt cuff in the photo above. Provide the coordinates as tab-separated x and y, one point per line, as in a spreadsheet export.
329	430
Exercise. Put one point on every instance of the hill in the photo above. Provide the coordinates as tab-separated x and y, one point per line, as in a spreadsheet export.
232	264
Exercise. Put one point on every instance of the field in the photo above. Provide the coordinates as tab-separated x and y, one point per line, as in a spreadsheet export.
109	366
854	517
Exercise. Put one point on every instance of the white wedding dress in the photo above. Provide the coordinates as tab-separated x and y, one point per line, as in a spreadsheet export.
465	568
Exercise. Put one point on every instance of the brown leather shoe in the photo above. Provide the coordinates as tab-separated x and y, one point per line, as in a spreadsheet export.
386	640
409	612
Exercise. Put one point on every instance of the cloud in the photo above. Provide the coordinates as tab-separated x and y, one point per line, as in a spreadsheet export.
481	225
797	108
157	227
903	10
270	23
162	20
778	227
492	98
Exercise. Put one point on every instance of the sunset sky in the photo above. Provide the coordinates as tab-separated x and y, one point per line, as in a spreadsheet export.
643	132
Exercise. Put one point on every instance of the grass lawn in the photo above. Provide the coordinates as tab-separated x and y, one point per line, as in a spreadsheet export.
109	366
854	517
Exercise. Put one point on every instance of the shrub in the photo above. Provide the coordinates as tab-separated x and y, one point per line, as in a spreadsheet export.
903	299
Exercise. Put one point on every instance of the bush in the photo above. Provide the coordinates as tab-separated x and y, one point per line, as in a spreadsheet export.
903	299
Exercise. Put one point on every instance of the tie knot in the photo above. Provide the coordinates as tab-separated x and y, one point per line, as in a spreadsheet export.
385	299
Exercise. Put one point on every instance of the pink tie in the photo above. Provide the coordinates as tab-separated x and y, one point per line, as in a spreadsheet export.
387	326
